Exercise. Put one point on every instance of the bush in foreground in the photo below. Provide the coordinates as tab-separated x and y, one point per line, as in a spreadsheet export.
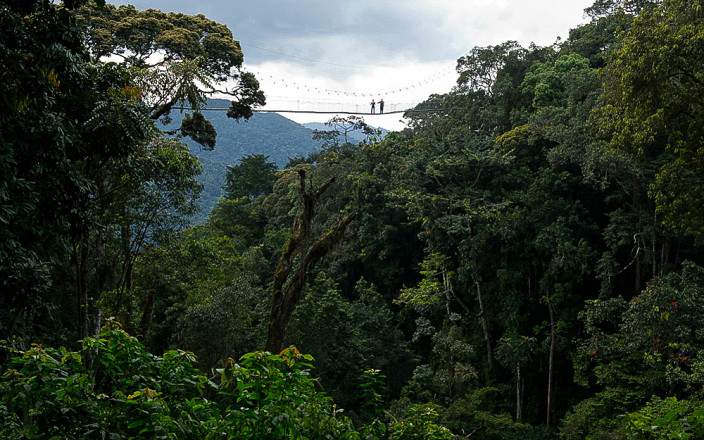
113	388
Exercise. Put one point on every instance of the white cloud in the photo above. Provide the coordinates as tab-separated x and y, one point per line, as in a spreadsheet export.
369	46
297	85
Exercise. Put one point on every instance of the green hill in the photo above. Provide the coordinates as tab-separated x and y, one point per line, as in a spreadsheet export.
265	133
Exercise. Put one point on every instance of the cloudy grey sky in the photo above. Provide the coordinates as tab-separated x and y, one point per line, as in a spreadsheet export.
338	54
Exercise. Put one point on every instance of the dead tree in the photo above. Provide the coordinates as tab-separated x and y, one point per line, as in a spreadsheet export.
289	281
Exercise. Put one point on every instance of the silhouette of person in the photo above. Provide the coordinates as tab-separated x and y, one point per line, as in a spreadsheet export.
373	107
381	105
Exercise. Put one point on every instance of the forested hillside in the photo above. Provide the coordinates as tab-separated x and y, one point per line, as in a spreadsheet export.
269	134
524	261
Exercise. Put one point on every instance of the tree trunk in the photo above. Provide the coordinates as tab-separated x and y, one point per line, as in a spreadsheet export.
80	258
664	254
519	404
450	356
485	329
98	325
288	283
448	293
637	276
551	361
125	281
285	300
104	277
276	332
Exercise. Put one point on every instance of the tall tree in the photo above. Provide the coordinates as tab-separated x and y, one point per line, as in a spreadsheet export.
655	87
298	257
178	60
62	117
254	176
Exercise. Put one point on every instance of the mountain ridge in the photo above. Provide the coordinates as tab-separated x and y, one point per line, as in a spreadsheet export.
269	134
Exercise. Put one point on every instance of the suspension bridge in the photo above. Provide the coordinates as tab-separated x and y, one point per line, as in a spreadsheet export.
315	100
319	112
314	95
323	112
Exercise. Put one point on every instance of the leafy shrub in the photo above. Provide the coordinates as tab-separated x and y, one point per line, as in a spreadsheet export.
113	388
667	419
599	417
420	423
482	412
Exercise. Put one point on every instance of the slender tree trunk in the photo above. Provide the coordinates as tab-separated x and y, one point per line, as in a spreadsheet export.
637	276
104	278
523	393
448	293
551	361
664	254
125	280
80	255
451	290
639	236
485	329
98	325
450	356
519	403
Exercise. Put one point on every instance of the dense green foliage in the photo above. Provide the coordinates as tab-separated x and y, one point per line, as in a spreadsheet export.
86	179
126	392
175	60
254	176
524	263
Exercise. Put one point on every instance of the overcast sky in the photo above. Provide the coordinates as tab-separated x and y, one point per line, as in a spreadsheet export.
339	54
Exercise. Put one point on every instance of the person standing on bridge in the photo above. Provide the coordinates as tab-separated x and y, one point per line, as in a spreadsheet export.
373	107
381	105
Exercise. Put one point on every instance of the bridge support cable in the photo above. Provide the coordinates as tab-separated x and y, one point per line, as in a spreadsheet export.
394	112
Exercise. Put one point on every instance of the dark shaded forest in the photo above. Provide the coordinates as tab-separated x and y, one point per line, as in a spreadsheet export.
522	262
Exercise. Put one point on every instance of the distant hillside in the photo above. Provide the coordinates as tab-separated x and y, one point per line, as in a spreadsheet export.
354	137
265	133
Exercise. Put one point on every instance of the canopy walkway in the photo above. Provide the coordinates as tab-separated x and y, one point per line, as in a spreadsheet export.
323	112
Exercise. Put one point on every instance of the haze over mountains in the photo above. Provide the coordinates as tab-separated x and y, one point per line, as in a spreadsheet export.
269	134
